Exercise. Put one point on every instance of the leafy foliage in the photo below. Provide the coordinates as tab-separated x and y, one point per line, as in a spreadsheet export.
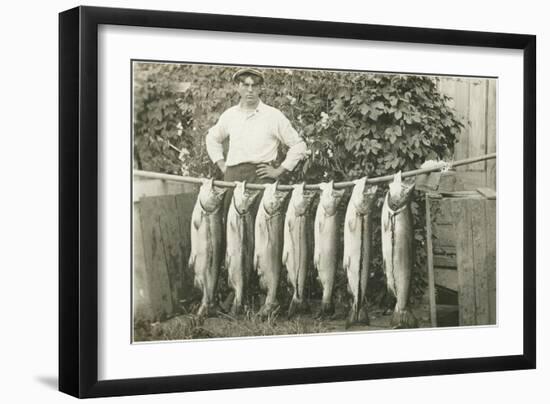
354	124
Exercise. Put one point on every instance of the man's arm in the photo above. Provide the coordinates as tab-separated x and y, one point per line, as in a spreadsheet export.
214	139
296	146
296	152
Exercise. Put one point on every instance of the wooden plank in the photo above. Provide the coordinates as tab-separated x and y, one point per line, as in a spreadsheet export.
443	261
479	226
450	182
477	144
491	167
158	281
184	206
447	278
465	263
171	253
143	187
140	296
462	104
444	214
428	182
488	193
444	235
447	251
429	253
490	212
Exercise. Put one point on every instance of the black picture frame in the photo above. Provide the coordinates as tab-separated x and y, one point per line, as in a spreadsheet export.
78	201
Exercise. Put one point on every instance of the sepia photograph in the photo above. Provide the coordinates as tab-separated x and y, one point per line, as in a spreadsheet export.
280	201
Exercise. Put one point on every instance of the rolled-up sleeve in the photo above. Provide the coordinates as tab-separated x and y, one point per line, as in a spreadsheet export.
214	139
288	136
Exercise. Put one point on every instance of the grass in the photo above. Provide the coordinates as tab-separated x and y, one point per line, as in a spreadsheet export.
224	325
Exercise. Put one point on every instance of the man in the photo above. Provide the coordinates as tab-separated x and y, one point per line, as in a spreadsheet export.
255	131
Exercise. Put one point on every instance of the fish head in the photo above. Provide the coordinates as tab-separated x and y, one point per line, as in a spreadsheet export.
400	191
363	195
243	197
273	199
210	196
330	198
301	199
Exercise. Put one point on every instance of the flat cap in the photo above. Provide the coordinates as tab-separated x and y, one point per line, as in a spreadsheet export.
252	72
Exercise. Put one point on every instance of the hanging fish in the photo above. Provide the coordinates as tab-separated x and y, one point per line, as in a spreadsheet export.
397	248
295	251
357	244
326	243
268	245
240	243
206	243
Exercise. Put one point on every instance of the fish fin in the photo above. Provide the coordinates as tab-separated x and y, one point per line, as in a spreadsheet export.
191	262
347	262
233	226
320	226
291	226
227	261
352	225
197	221
316	260
286	253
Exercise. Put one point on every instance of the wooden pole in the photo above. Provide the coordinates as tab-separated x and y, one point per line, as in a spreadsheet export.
430	259
315	187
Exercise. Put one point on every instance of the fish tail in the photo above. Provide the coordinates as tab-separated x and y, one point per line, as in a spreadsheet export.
327	310
295	307
404	319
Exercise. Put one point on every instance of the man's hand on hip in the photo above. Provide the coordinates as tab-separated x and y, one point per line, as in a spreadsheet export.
267	171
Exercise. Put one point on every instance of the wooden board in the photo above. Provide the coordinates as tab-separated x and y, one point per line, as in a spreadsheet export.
491	166
444	235
143	187
447	278
477	144
465	263
140	297
158	282
491	263
474	101
429	253
165	222
481	290
184	206
476	263
445	261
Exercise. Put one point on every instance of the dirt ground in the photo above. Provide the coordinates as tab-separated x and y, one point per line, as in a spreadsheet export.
226	326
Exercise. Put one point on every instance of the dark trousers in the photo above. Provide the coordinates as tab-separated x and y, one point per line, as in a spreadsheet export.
243	172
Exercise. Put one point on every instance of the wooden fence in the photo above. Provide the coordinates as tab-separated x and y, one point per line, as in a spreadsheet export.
162	214
475	102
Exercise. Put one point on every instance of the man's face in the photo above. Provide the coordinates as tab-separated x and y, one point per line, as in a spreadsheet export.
249	90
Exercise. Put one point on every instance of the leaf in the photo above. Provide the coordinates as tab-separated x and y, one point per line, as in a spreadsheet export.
364	109
394	131
374	114
398	114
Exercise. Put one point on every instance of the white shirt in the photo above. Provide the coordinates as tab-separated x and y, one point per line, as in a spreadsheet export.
254	137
